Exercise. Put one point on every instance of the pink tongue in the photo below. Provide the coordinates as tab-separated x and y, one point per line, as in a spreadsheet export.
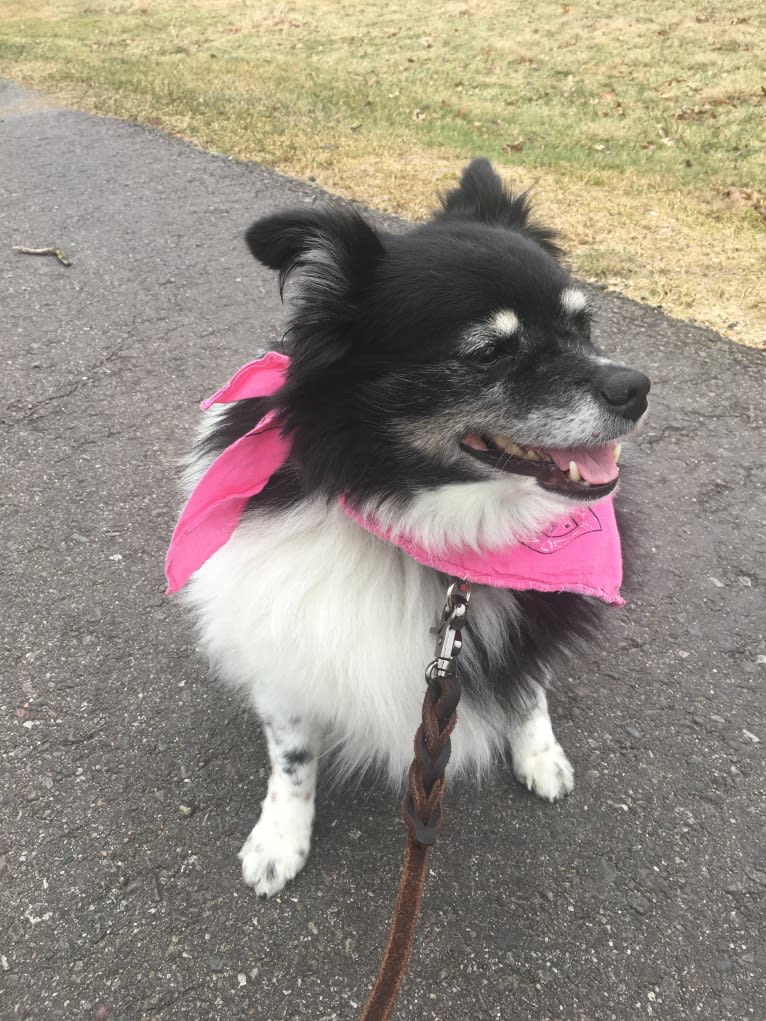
596	464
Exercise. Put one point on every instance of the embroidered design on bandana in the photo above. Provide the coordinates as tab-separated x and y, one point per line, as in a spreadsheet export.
579	553
557	536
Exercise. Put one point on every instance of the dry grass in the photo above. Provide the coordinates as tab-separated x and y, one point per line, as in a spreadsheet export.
639	127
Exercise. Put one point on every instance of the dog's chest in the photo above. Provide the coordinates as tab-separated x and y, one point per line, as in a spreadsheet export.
311	615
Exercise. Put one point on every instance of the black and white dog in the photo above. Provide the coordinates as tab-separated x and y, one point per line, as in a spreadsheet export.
443	381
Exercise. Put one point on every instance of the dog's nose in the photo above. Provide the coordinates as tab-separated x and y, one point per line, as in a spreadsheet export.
625	390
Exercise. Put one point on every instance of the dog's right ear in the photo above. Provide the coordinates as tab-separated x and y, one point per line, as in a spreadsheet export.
335	248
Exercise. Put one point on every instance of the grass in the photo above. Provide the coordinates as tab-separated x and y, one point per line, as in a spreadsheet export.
639	126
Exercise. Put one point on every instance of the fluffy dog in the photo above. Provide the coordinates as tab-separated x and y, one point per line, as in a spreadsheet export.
442	385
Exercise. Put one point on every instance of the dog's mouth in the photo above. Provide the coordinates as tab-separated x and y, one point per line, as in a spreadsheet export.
581	473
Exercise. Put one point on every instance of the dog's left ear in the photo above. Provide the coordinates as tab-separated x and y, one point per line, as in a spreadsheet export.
335	248
333	251
481	196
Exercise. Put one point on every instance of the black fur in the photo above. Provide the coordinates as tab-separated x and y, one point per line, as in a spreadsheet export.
482	198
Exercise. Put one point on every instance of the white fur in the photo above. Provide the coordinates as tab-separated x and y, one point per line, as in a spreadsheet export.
573	301
487	514
306	609
193	467
278	845
539	761
505	322
582	423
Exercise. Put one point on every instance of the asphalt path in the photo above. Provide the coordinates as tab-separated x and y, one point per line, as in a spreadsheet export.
130	780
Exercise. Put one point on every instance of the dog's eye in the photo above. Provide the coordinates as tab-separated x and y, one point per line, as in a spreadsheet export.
486	355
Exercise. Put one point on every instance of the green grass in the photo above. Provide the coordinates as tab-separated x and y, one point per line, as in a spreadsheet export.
640	125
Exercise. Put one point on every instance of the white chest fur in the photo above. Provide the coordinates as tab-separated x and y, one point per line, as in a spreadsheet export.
311	615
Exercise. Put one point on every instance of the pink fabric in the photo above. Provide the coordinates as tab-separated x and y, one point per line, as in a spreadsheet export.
545	563
579	553
259	378
213	510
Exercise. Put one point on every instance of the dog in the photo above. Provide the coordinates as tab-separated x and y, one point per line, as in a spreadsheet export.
435	390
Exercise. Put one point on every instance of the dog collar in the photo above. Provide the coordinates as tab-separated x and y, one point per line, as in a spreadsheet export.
579	553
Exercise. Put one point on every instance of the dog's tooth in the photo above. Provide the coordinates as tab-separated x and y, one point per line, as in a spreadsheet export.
508	446
617	451
574	472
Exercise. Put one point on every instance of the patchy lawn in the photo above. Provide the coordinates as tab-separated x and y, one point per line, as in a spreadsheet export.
639	126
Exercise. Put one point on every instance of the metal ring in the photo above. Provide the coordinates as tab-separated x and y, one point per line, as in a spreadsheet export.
435	671
459	592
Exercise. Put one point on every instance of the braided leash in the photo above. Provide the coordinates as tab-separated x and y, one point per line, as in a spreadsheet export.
421	805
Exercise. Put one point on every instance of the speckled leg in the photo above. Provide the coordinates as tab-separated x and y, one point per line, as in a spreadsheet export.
278	845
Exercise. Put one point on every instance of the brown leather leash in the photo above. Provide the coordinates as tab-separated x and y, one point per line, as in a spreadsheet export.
421	805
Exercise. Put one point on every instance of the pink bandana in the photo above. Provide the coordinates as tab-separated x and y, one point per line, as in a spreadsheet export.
579	553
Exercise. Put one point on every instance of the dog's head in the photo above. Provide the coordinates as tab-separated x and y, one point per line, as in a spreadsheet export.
445	376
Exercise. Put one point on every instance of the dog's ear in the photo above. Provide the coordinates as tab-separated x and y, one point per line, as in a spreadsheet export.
334	251
481	196
335	248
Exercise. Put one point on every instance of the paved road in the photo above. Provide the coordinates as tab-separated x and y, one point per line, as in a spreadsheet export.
129	779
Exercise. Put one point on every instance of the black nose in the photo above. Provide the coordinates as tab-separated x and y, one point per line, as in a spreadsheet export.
625	390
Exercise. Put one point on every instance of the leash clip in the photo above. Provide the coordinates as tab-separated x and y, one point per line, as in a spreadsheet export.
449	640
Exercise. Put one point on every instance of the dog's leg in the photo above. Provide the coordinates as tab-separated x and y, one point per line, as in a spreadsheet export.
539	761
278	845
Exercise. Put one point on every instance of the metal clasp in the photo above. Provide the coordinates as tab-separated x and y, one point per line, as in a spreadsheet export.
449	641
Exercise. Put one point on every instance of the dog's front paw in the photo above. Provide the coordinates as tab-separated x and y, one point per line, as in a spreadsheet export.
271	859
545	770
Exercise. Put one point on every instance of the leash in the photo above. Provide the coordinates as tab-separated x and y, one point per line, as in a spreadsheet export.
421	804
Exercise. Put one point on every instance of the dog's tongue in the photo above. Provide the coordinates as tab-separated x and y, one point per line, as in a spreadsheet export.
596	464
